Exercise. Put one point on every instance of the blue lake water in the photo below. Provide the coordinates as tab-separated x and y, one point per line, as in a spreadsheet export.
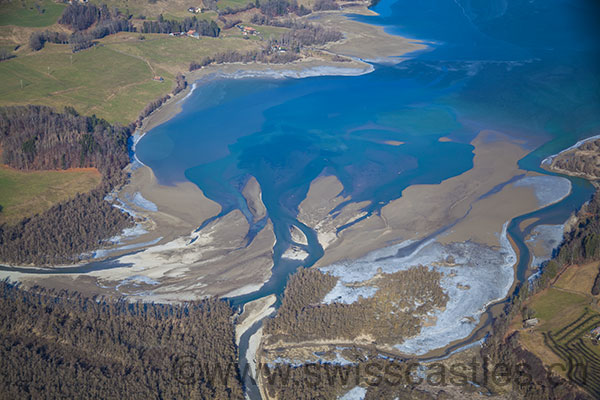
529	69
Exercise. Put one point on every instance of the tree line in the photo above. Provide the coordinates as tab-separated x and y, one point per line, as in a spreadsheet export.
80	17
275	8
39	138
154	105
263	56
65	345
301	34
203	27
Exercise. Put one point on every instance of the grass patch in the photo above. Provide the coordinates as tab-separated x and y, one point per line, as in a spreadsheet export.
233	4
551	304
567	313
24	194
175	53
57	78
30	13
579	278
266	32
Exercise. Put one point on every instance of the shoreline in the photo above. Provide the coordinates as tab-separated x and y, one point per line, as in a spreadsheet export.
306	67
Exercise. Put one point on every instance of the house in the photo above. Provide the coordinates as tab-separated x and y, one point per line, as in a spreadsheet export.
530	323
249	30
596	333
158	78
191	32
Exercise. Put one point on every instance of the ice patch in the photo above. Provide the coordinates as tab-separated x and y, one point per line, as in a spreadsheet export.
141	202
136	280
489	276
347	295
304	73
481	276
106	252
128	234
548	189
548	237
356	393
295	253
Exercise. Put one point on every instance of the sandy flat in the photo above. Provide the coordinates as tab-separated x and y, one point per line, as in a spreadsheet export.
423	209
364	41
253	311
253	196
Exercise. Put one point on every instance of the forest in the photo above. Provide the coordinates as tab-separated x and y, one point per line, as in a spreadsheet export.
265	56
80	17
389	316
274	8
39	138
203	27
64	345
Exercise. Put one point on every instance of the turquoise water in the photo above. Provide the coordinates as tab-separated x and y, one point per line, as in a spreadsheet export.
525	68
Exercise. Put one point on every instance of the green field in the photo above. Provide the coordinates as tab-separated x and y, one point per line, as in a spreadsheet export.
174	54
567	312
24	194
233	4
549	306
265	32
97	81
30	13
581	356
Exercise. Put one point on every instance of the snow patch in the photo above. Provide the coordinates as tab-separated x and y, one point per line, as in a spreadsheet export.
356	393
481	276
347	295
143	203
295	253
548	189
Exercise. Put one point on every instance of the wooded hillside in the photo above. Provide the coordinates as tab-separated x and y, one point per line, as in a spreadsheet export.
63	345
38	138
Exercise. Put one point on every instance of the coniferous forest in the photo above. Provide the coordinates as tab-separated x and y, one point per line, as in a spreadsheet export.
39	138
63	345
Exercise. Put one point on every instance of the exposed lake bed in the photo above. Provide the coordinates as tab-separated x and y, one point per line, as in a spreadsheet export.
253	173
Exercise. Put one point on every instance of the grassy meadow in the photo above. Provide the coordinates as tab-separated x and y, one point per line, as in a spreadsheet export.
97	81
25	194
567	312
30	13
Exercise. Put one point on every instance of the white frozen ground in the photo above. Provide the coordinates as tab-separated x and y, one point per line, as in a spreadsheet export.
295	253
548	189
344	294
338	360
142	203
549	237
356	393
101	253
484	275
291	73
